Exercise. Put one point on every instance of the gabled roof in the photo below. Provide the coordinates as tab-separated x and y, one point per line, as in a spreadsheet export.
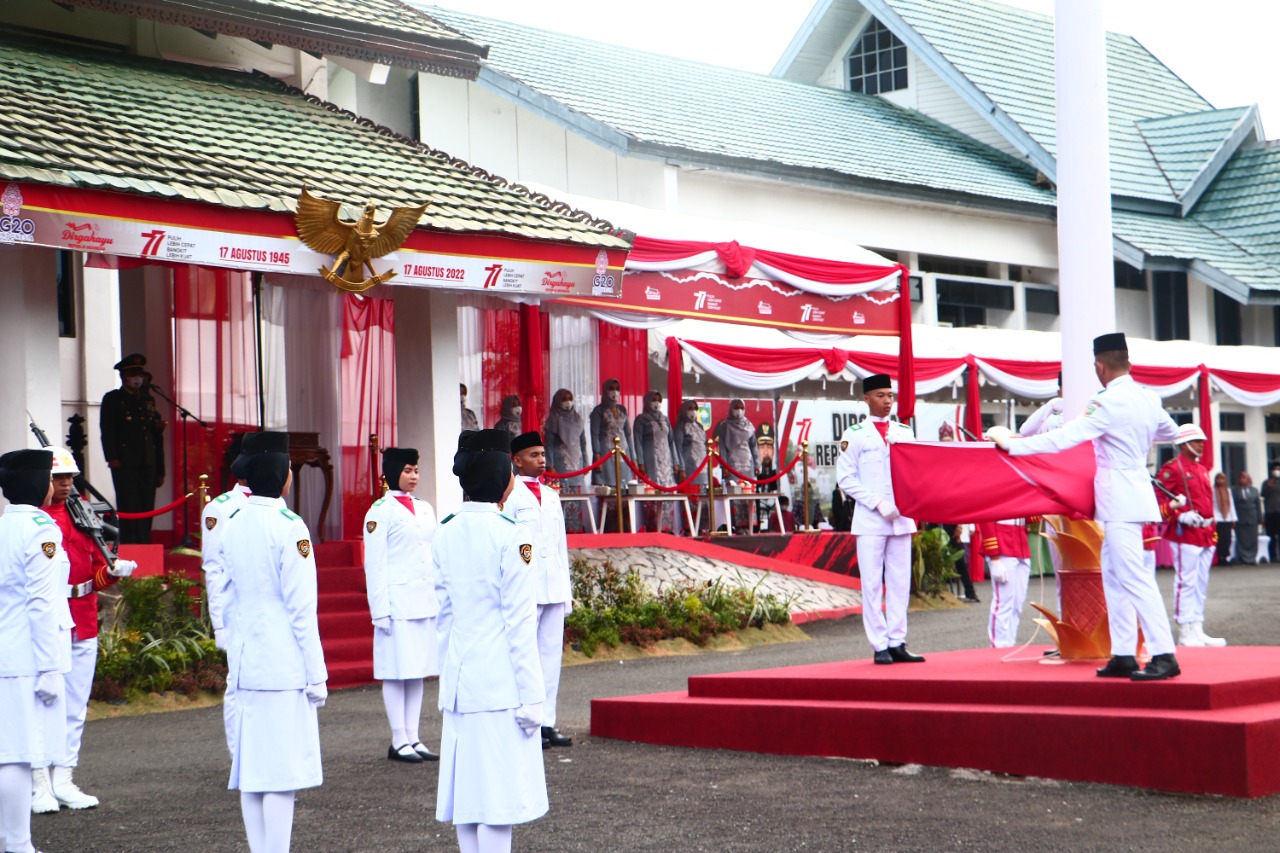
636	102
1005	56
241	141
381	31
1243	204
1191	149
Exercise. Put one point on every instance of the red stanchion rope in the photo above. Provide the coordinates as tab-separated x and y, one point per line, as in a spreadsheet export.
767	480
677	487
555	475
153	513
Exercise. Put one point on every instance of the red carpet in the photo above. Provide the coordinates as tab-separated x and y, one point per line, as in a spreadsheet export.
1215	729
345	630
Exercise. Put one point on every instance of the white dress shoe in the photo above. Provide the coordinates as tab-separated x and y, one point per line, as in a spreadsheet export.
1189	636
1207	640
42	799
68	793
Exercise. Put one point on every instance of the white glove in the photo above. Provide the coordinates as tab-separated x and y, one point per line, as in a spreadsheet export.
1178	503
48	687
1055	405
317	693
220	638
888	510
889	437
1002	436
122	568
1191	518
529	717
999	572
383	624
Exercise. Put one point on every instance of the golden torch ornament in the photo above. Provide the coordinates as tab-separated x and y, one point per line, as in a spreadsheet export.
356	244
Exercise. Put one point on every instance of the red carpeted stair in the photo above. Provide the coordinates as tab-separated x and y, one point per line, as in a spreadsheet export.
1215	729
345	630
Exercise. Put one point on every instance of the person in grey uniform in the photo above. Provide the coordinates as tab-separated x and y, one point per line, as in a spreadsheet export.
609	421
658	459
509	417
566	436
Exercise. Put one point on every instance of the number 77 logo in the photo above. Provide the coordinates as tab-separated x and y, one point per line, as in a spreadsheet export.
154	239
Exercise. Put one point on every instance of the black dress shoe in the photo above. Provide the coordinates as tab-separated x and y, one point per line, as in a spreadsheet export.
546	744
424	753
883	656
1120	666
1158	668
403	753
901	655
971	599
552	737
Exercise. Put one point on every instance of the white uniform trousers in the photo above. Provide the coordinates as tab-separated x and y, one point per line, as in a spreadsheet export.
1191	581
79	683
1007	601
550	653
1131	592
884	565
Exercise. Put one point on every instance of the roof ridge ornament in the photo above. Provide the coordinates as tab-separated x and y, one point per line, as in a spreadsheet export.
357	243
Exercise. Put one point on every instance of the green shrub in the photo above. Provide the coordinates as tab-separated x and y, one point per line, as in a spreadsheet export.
612	606
933	560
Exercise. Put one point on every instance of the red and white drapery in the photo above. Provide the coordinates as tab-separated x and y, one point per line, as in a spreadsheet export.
368	369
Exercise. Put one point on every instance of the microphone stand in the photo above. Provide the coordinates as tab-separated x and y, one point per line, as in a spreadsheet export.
187	540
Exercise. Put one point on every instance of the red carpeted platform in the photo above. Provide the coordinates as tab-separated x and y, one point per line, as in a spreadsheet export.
346	632
1215	729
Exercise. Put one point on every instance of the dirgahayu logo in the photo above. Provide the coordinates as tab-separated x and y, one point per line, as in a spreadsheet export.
764	307
653	294
84	235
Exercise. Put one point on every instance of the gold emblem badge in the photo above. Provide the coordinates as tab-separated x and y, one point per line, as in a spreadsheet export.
210	523
304	547
844	445
356	243
526	553
51	548
371	526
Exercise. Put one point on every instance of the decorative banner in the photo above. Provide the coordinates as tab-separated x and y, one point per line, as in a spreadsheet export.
160	230
755	301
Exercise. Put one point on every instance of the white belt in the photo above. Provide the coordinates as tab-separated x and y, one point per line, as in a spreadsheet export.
79	590
1014	522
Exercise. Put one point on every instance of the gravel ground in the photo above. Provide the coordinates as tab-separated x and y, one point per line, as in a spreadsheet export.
162	778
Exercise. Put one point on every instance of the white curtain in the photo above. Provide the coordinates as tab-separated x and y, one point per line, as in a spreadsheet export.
470	357
574	352
302	382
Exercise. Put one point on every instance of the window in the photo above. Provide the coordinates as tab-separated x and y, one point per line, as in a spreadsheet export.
1231	421
1129	278
1273	423
1275	316
66	294
917	288
1226	320
1182	418
1232	460
1042	301
1169	301
1273	455
953	266
965	303
878	61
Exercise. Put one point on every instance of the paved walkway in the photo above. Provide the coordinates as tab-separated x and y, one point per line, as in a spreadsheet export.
660	566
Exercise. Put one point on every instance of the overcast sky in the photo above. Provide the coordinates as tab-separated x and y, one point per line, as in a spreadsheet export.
1221	48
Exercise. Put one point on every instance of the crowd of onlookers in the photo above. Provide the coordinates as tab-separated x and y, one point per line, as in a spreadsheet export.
1247	517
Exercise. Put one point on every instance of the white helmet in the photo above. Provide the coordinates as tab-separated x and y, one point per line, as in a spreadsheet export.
63	461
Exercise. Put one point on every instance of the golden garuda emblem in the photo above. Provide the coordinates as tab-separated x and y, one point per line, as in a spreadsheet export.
321	227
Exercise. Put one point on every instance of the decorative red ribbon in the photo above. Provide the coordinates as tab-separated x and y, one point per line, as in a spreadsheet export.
153	513
677	487
767	480
555	475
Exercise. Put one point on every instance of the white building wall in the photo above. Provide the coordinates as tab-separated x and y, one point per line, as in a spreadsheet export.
1200	309
1133	313
935	98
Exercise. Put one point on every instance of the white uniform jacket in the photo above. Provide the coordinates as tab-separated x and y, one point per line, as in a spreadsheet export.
488	620
1122	421
862	472
271	599
397	558
550	547
35	621
213	521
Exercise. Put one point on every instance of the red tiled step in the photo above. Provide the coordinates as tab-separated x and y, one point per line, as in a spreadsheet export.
350	674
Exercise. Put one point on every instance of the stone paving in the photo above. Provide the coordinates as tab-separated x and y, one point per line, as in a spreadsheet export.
660	566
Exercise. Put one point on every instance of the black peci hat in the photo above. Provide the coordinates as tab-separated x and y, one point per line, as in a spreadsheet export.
1110	342
25	476
266	467
875	382
483	464
526	440
393	461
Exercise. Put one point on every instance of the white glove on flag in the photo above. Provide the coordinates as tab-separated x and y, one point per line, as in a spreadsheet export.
122	568
1000	435
529	717
888	510
383	624
1055	405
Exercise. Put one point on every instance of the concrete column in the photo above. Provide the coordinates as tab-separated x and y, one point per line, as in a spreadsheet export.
928	299
98	349
428	416
1255	425
1086	275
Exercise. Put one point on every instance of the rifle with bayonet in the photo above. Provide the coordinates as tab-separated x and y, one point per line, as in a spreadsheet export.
82	515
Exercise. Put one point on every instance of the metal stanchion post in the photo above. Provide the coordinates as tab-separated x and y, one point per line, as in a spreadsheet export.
202	491
617	479
375	478
804	493
711	486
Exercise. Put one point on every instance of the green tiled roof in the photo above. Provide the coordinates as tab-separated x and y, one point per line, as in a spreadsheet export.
663	105
1183	145
238	140
391	15
1008	53
1243	204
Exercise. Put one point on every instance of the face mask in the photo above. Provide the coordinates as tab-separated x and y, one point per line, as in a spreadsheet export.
1275	472
655	407
614	396
134	382
517	410
737	413
566	405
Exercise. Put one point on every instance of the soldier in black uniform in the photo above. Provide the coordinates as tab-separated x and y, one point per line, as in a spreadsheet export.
131	443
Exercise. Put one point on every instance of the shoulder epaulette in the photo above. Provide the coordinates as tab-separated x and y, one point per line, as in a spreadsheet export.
507	518
856	426
901	424
448	518
222	498
379	501
41	519
290	514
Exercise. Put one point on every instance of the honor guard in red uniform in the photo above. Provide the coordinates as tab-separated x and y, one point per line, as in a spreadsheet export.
53	786
1191	532
1005	542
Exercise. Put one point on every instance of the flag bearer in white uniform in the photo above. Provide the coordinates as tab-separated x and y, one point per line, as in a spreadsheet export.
535	504
1005	542
884	536
273	648
53	785
34	635
491	692
398	529
1122	421
213	520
